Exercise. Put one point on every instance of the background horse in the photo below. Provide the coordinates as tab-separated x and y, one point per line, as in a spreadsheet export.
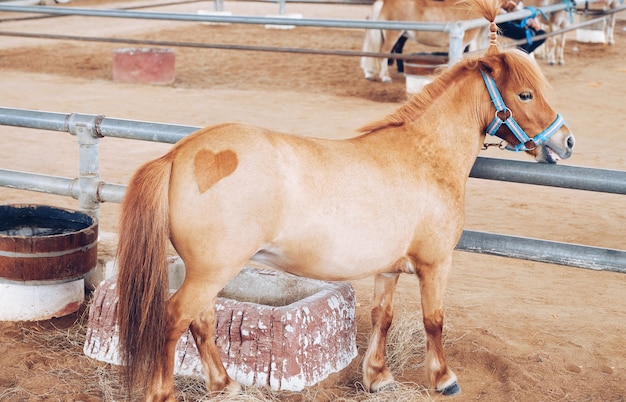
377	40
554	46
386	202
600	8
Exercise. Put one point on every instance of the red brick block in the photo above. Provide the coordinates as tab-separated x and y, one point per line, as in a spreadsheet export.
144	66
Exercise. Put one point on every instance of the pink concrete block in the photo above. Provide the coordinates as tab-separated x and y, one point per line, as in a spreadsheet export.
144	66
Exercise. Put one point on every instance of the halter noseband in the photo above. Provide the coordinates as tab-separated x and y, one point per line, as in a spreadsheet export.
526	143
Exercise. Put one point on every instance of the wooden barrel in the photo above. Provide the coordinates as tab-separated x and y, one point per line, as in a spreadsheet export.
418	71
423	64
42	244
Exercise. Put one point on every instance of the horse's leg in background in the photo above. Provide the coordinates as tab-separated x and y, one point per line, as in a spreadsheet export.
376	375
390	38
610	25
371	66
560	49
560	21
433	280
397	48
373	43
551	45
203	331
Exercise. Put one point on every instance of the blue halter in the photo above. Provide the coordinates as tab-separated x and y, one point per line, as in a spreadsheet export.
526	143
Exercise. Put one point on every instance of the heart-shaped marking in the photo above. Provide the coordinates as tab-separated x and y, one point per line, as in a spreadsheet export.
210	167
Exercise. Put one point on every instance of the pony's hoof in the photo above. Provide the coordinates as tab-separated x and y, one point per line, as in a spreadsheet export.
451	389
384	386
386	80
233	389
386	382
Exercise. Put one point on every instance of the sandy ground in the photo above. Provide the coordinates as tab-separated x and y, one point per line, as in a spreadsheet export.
516	330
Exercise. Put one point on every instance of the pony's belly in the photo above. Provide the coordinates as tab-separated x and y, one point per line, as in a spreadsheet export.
325	267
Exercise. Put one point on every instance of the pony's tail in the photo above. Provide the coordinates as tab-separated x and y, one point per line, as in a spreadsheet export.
142	281
373	43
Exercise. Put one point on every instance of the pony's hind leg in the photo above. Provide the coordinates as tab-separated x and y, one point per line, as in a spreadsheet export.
376	375
432	285
161	387
203	331
189	305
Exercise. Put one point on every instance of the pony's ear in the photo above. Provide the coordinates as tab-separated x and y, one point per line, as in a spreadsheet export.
486	67
492	65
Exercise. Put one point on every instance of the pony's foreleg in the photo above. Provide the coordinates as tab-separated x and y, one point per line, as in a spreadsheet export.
203	331
376	375
432	285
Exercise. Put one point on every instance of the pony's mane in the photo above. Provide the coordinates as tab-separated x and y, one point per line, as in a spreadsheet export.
519	70
420	101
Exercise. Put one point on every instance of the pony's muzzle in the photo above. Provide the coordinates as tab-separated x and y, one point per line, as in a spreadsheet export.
570	141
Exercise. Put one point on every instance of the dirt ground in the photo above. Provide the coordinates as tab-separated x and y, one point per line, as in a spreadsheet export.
516	330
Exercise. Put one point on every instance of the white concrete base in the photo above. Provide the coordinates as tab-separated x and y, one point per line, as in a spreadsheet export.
272	26
40	302
590	36
415	83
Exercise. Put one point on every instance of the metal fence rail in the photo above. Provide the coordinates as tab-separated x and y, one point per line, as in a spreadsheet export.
454	29
90	191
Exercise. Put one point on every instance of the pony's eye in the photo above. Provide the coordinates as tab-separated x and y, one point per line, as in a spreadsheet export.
526	96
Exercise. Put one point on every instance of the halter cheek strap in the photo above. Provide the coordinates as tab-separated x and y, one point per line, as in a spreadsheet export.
504	115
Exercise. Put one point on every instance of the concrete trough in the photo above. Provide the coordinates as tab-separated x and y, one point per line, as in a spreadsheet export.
272	329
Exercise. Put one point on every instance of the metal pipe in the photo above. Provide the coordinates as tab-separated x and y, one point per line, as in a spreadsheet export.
33	119
40	183
209	45
455	49
57	185
312	22
578	178
89	189
111	192
84	127
142	130
573	255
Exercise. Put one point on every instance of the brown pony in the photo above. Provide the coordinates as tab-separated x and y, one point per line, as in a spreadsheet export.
387	202
377	40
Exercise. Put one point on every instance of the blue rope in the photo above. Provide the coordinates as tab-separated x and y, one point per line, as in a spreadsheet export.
523	22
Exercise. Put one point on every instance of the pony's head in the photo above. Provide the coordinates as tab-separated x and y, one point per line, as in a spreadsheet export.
522	116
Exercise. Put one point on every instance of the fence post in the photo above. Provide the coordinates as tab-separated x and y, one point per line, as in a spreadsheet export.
85	128
455	52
